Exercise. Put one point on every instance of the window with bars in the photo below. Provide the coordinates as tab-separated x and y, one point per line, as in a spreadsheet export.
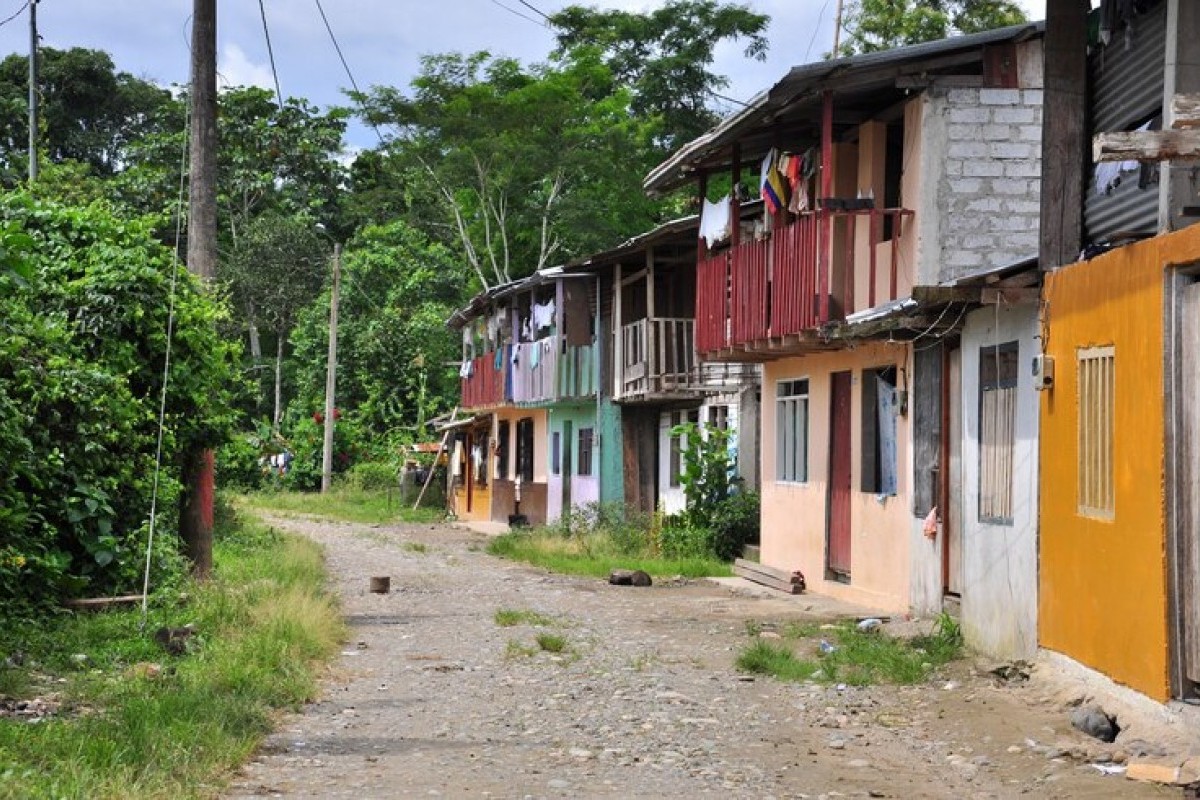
586	437
997	431
791	431
1097	393
525	448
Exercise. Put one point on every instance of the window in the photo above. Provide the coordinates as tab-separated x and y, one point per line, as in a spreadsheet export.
677	443
791	431
879	430
556	453
1097	389
718	417
502	434
997	431
585	452
525	448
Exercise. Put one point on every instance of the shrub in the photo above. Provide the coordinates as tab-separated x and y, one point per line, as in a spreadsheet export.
371	476
734	524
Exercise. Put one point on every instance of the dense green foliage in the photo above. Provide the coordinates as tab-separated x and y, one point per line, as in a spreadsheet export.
873	25
82	345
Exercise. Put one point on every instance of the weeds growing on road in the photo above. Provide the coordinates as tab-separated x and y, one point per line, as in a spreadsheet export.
344	503
509	617
126	719
551	643
416	547
856	657
599	539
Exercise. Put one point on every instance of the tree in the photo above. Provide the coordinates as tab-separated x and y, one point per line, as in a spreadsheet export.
873	25
664	56
509	159
90	112
276	269
398	290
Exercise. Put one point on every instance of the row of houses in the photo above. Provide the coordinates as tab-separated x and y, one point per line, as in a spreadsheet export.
959	348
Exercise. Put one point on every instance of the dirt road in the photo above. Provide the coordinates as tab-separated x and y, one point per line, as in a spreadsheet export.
431	697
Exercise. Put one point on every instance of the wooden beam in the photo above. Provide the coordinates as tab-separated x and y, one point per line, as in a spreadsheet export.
1185	111
633	277
1064	137
1011	296
1174	145
942	81
946	294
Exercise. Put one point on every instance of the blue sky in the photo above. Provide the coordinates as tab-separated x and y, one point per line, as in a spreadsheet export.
382	40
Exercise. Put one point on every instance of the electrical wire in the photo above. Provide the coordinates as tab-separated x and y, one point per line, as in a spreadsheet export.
534	9
15	14
337	47
816	28
516	13
162	401
262	10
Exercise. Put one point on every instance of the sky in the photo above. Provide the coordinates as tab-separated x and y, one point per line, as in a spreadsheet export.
382	40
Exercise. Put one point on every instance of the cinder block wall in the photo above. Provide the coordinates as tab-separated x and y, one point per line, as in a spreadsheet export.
989	187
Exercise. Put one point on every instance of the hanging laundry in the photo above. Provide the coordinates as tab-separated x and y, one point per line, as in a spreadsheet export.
465	370
1108	173
774	193
543	315
715	219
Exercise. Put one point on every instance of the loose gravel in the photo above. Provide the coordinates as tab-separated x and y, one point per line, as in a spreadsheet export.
432	697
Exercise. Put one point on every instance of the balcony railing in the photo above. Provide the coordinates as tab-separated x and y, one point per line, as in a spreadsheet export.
535	371
805	275
485	386
656	356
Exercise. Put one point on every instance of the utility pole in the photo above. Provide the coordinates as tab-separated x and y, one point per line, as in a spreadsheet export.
33	91
196	513
837	29
331	371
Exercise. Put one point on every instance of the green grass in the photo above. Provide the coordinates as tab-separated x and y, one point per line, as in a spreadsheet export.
551	642
416	547
343	503
510	617
594	555
263	625
857	658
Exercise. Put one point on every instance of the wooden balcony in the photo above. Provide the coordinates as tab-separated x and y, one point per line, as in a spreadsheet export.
549	370
811	272
656	358
486	386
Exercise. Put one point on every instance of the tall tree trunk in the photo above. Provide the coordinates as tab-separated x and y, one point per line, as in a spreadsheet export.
279	338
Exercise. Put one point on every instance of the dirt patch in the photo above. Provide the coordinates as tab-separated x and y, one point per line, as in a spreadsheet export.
432	697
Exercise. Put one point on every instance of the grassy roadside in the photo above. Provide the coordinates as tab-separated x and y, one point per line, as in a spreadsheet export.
126	719
596	554
344	503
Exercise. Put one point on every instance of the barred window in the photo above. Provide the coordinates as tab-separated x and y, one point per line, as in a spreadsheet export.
1097	393
997	431
585	452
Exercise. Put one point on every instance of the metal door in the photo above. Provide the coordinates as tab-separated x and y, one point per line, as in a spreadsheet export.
838	538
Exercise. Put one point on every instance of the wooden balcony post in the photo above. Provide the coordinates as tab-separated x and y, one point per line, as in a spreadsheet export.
825	221
652	368
618	341
735	206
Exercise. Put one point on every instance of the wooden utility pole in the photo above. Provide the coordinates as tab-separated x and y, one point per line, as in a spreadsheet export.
331	371
837	29
33	91
196	513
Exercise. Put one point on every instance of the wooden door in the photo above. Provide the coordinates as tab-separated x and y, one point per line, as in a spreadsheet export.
838	535
952	517
1187	484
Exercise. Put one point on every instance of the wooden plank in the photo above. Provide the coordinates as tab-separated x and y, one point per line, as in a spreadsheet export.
1064	138
96	603
1185	111
1022	295
773	572
1181	145
747	570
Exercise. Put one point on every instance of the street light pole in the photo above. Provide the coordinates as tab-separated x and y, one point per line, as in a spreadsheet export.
331	371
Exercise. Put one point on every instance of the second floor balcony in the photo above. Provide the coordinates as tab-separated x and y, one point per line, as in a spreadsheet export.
656	359
550	370
486	383
816	270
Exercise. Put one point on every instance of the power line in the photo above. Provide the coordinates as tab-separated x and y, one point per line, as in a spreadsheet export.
816	28
262	10
345	65
516	13
15	14
534	9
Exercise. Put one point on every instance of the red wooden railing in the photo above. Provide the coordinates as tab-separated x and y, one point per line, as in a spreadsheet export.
485	386
768	289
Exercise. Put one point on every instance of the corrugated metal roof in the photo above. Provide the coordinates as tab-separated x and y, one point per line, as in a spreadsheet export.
859	72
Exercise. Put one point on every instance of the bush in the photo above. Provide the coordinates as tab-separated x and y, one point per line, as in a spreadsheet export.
82	344
734	524
371	476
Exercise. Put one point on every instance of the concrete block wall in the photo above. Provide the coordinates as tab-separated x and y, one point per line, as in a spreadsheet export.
988	191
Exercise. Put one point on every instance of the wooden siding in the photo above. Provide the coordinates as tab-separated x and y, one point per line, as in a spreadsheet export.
486	386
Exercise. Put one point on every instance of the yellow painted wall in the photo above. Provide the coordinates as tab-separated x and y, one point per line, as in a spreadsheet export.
1103	590
793	514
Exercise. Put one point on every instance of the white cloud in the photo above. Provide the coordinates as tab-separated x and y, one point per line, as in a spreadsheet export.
236	69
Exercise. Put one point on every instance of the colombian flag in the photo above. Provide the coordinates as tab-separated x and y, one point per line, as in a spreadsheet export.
774	193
